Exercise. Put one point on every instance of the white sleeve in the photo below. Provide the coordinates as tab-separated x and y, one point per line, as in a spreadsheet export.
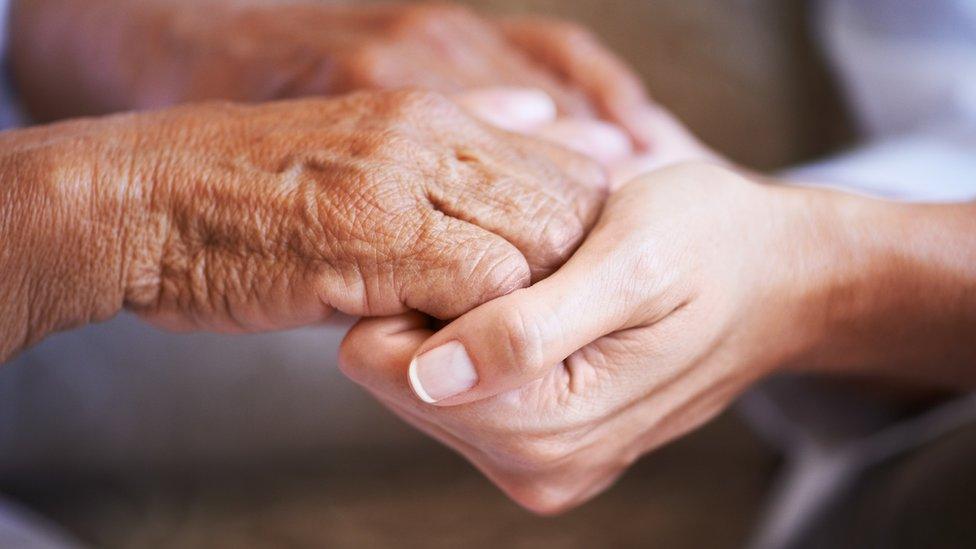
923	167
908	70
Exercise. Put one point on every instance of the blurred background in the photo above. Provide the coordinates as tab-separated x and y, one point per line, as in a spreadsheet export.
287	454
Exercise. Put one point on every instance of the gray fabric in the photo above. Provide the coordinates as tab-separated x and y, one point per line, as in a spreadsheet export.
21	529
123	396
923	498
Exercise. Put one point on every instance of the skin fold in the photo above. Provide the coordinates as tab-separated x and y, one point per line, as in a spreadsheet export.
698	281
239	218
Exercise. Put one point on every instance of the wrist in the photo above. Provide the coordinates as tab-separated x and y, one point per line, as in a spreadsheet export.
885	287
71	224
791	270
822	268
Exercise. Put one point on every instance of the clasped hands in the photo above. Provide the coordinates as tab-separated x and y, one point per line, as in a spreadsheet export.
675	302
586	330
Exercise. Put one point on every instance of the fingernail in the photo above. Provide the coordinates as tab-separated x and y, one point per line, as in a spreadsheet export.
442	372
512	109
528	109
600	141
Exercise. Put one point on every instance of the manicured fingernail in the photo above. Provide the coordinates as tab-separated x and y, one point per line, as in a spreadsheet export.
442	372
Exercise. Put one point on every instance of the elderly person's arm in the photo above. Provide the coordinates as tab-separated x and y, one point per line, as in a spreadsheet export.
239	218
74	57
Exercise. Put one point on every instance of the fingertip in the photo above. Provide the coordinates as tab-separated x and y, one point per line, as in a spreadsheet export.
376	343
416	385
598	140
520	110
442	375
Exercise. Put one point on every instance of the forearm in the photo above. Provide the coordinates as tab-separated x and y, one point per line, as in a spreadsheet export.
77	57
896	296
84	57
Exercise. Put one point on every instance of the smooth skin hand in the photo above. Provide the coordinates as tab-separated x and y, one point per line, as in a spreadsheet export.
697	282
76	57
240	218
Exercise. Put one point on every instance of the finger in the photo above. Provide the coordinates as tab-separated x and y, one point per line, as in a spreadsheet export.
600	141
496	60
544	207
533	112
454	267
375	354
579	57
512	109
667	139
518	338
563	164
376	351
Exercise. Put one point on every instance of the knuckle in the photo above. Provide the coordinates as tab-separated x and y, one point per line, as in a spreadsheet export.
521	335
367	67
562	234
385	150
416	105
559	232
503	271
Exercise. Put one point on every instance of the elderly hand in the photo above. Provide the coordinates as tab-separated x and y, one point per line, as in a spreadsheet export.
231	217
118	54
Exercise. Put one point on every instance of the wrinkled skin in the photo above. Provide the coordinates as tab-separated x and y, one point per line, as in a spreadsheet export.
94	56
231	217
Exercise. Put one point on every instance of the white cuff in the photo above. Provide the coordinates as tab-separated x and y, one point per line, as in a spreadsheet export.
936	167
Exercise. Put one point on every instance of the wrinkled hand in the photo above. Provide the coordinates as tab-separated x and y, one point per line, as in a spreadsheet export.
679	299
232	217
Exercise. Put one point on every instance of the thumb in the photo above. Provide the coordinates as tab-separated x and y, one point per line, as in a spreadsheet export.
520	337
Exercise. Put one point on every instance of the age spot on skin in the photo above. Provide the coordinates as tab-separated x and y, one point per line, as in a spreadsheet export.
466	156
